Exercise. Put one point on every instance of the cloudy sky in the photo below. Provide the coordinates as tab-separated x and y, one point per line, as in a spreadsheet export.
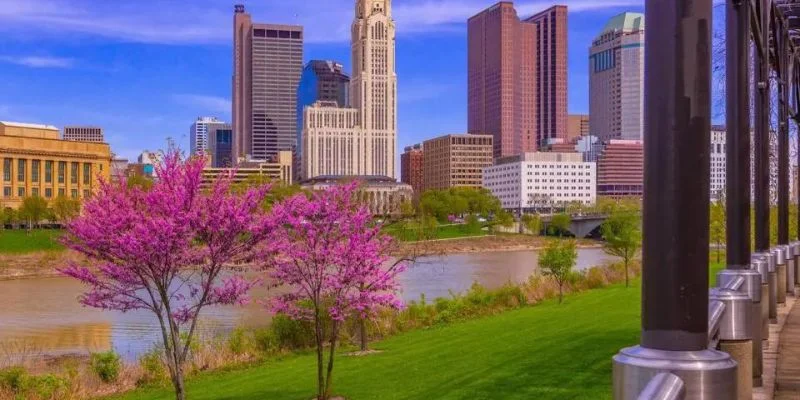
145	69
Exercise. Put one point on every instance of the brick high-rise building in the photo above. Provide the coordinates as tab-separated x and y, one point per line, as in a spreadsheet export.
455	161
267	62
501	79
551	73
616	79
411	167
620	169
83	134
577	126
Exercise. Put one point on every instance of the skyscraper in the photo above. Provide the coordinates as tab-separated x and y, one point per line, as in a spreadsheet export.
411	167
373	89
551	73
360	140
267	62
616	79
198	134
220	145
501	80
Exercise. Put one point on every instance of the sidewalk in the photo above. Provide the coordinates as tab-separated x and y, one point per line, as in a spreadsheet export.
773	348
787	381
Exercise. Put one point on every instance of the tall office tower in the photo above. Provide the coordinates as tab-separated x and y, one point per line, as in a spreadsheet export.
321	81
220	145
551	73
198	134
616	79
83	134
718	162
373	89
455	161
577	127
267	62
501	79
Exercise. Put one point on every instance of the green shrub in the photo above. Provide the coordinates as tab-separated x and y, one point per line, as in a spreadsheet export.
47	386
292	334
238	341
13	379
106	365
595	278
266	341
153	370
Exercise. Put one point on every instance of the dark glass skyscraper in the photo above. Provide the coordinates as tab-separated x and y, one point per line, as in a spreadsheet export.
320	80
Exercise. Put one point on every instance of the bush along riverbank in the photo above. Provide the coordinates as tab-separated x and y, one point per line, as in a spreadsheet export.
104	374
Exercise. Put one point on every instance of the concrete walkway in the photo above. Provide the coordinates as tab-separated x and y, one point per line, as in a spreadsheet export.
787	380
771	352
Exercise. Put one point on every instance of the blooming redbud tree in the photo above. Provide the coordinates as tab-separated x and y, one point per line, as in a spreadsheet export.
334	260
165	249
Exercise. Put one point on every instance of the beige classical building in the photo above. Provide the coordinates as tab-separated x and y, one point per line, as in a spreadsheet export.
83	134
383	195
278	168
35	162
361	140
455	160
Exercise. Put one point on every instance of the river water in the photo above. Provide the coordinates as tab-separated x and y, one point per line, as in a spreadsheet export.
42	317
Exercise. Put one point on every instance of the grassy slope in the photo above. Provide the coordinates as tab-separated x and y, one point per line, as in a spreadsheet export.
549	351
18	241
442	232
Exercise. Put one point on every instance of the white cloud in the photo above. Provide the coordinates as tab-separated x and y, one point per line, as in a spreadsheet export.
39	61
210	22
204	103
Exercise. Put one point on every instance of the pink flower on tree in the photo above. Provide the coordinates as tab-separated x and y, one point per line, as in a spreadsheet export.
334	260
166	249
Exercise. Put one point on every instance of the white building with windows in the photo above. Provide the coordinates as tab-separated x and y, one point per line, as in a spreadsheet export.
542	180
718	160
198	134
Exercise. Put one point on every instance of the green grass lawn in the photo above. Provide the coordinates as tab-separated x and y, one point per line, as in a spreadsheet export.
441	232
548	351
18	241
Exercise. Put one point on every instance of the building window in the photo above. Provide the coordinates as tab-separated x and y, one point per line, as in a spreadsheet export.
74	193
87	173
86	194
62	170
21	170
7	170
34	192
61	192
48	172
21	192
73	173
35	170
7	191
48	193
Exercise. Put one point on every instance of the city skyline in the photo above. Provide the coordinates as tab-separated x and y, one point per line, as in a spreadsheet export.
183	85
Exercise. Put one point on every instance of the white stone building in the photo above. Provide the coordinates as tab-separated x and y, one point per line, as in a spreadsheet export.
361	140
718	161
541	180
198	134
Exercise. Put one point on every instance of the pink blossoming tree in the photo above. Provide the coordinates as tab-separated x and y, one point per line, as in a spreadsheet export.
332	257
165	249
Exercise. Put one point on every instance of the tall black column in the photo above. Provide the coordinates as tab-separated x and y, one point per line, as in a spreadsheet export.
761	137
783	137
737	103
676	175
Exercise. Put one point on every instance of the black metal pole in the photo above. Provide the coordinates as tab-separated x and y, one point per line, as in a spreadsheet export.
783	137
761	137
737	103
676	175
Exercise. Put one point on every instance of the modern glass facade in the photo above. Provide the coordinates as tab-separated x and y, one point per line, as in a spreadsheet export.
223	147
321	80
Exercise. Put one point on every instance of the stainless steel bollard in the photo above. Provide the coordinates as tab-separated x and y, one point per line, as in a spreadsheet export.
781	257
760	264
752	288
735	337
773	286
664	386
794	273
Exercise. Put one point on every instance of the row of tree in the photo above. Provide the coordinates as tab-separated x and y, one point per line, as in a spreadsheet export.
35	209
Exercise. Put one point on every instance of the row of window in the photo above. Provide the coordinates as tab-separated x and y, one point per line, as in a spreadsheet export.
35	170
48	192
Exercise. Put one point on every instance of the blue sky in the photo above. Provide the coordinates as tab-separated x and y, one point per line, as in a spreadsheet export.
145	69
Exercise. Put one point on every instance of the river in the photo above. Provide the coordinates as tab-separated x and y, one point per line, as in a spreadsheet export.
42	317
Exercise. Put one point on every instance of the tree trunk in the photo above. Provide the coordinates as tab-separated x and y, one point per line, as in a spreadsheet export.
560	293
180	390
320	377
363	333
329	378
627	281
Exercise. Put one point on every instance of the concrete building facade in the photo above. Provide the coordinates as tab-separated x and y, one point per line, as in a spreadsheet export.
411	167
83	134
36	162
616	79
551	73
536	181
577	127
455	161
718	162
198	134
620	169
383	195
501	99
278	168
333	143
267	62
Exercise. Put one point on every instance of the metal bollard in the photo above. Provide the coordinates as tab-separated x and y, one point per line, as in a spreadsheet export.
772	259
664	386
781	253
752	287
760	264
734	335
796	271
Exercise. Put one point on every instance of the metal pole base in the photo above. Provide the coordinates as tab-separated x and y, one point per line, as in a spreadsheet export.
790	268
706	374
773	297
781	275
752	287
